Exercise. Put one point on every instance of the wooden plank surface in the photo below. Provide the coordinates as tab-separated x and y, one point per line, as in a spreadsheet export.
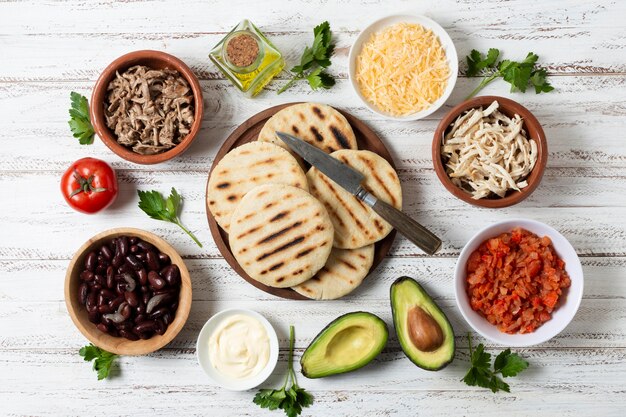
48	49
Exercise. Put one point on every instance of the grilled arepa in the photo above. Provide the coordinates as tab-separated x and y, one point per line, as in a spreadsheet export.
357	225
344	271
280	235
318	124
244	168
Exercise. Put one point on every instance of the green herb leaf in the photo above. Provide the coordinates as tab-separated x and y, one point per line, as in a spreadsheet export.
518	74
102	359
80	124
291	400
314	59
154	205
318	78
506	363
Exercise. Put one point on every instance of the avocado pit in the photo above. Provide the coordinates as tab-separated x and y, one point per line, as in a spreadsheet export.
424	331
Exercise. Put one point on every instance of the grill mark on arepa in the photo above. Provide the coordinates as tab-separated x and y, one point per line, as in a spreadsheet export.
281	248
279	216
232	197
280	232
305	252
318	112
223	185
263	162
348	264
317	134
378	179
250	231
340	137
345	206
295	129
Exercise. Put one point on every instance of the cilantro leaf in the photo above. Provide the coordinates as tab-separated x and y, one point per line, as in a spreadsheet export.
79	122
291	400
154	205
314	59
318	78
506	363
518	74
102	359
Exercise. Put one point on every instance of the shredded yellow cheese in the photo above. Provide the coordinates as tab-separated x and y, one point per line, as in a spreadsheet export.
402	69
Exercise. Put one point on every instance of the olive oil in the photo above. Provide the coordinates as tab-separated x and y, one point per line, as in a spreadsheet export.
247	58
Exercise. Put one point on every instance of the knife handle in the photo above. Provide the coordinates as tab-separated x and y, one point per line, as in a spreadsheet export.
411	229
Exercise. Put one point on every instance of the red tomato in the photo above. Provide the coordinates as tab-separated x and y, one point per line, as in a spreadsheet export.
89	185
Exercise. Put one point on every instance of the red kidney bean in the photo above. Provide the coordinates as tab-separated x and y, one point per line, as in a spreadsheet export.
171	274
174	306
106	252
91	261
141	256
135	263
126	311
156	282
145	326
110	277
122	245
108	294
101	269
128	335
105	309
164	258
142	274
101	259
87	276
94	316
167	318
152	260
134	249
115	303
99	279
92	300
161	327
126	269
103	328
131	298
83	291
141	309
133	240
101	299
145	246
96	287
159	312
117	261
140	318
145	297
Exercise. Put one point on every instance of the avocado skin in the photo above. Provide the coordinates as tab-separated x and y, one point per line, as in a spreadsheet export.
328	327
429	300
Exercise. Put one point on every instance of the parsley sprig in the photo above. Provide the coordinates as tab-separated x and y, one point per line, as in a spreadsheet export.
314	60
506	364
80	124
159	208
291	400
518	74
102	359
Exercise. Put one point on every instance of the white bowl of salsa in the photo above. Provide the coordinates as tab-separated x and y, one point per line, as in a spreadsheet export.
503	309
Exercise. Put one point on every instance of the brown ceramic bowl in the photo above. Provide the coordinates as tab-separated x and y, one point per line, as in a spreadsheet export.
121	345
509	108
152	59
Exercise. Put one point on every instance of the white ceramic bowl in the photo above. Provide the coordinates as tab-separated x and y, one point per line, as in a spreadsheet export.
568	303
380	24
202	351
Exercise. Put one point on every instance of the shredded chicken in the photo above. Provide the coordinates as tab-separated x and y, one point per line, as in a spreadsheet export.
149	110
487	153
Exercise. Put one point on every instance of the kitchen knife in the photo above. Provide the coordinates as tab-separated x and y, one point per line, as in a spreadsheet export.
351	180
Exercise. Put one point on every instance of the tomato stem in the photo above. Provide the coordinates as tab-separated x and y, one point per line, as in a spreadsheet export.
84	185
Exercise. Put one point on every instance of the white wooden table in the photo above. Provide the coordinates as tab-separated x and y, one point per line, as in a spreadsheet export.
49	48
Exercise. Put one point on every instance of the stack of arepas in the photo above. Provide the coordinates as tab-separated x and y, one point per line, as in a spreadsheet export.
291	229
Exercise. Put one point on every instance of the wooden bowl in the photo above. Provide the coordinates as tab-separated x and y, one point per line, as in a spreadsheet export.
248	131
152	59
121	345
509	108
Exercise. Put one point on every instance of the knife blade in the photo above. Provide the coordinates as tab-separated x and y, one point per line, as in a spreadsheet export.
351	180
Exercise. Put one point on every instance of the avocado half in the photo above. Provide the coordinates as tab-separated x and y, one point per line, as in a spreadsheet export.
349	342
424	332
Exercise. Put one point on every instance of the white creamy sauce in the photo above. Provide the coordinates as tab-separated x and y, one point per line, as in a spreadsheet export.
239	348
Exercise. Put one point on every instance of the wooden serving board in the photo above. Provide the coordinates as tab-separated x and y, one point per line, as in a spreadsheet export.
248	131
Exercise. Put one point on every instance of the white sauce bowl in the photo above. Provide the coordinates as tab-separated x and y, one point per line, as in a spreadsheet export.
568	302
446	43
202	351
